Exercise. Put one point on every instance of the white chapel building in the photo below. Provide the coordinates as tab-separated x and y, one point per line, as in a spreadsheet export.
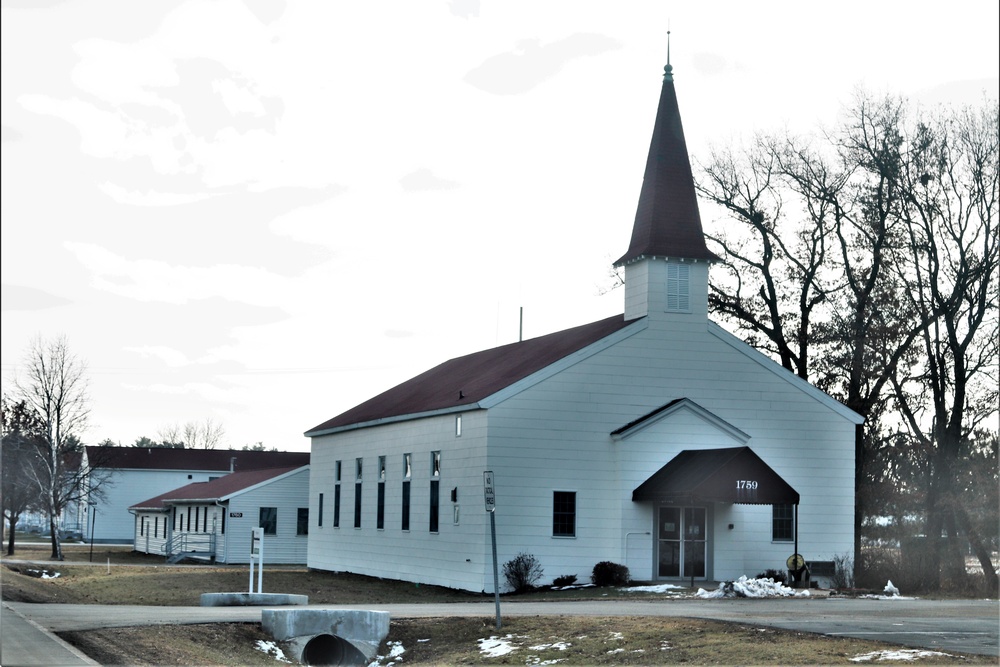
653	439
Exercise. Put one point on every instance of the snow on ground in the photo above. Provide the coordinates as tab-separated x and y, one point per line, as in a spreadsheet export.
751	588
270	648
902	654
891	593
659	588
396	652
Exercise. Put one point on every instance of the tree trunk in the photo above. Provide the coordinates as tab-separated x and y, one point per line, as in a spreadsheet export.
10	536
990	575
56	545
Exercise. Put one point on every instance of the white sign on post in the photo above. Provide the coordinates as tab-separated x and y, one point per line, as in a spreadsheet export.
489	491
257	553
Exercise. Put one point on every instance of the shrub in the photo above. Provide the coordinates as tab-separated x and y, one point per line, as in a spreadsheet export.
564	580
522	572
776	576
607	573
843	571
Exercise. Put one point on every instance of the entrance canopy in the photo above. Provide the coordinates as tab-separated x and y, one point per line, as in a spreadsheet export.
731	475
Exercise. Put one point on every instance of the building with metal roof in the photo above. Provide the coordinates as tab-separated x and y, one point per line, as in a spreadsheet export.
653	439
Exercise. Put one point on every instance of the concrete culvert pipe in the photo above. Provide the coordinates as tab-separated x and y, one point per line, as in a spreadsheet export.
327	649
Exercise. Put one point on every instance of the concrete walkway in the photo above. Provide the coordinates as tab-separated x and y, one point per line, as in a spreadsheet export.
23	643
967	626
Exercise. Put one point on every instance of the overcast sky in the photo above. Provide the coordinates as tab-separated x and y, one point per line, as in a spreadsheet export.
263	213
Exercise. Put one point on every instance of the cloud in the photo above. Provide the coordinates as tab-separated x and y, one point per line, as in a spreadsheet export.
531	62
9	134
16	297
150	197
424	179
155	280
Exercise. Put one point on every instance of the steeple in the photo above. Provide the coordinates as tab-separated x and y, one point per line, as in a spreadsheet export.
666	265
667	223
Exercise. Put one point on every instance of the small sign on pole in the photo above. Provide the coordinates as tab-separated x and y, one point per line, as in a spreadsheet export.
489	492
257	553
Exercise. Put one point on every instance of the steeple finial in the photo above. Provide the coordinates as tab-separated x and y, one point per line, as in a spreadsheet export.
668	71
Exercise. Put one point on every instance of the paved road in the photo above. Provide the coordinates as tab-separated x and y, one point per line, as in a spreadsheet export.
968	626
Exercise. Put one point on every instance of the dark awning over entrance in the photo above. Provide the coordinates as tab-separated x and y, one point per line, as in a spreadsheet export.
731	475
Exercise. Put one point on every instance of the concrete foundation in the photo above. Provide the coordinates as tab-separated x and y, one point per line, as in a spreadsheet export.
328	636
251	599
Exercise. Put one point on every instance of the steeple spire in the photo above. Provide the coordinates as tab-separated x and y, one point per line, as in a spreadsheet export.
667	222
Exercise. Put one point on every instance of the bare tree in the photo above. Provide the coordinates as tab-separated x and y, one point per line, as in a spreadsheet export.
951	213
21	453
207	434
821	270
55	391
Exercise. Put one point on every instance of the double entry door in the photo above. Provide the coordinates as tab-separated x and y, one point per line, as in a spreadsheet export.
681	542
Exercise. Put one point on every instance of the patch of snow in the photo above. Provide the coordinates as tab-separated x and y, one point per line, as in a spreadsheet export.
616	636
659	588
494	647
395	651
559	646
751	588
902	654
890	589
270	648
571	587
46	575
616	650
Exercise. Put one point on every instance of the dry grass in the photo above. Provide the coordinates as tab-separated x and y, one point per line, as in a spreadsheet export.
139	579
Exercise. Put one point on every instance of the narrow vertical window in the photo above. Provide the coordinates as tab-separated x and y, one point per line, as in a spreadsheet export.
142	527
380	507
435	494
678	287
156	527
564	514
435	504
458	426
319	511
223	522
357	491
302	521
336	506
336	475
407	470
783	522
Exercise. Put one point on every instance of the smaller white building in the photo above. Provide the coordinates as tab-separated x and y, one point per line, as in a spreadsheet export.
214	520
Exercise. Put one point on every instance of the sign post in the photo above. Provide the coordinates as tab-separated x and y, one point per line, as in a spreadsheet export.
257	553
489	491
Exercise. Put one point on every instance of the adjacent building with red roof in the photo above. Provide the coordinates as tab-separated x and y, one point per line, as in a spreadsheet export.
653	439
137	473
213	520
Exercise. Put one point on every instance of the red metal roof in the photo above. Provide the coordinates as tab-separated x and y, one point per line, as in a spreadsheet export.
667	222
166	458
464	381
217	489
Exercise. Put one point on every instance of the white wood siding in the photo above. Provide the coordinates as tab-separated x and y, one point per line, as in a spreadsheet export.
457	555
555	436
127	487
287	494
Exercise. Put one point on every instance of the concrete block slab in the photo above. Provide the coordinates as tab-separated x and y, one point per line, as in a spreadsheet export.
252	599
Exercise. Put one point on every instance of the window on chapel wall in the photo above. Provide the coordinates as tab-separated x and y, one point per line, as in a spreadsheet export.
302	521
564	514
678	287
783	522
